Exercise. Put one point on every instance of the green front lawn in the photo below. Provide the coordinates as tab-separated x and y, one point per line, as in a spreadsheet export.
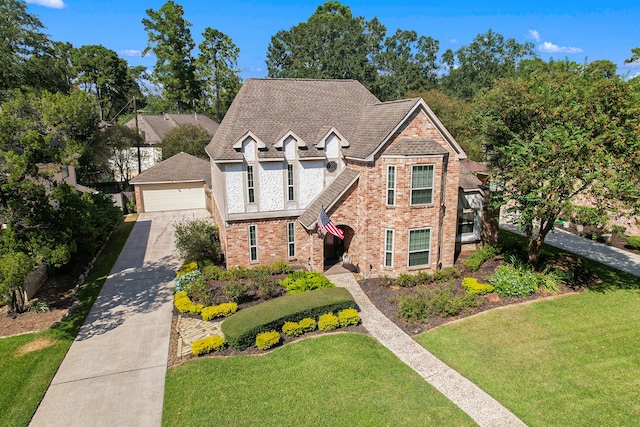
569	361
25	378
337	379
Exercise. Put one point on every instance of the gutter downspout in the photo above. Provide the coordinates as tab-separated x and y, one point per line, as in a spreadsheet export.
443	209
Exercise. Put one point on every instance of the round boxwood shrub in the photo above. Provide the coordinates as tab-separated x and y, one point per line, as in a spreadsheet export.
266	340
208	344
348	317
328	322
307	324
292	329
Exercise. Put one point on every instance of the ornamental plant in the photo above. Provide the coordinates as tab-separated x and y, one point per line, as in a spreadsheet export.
208	344
303	281
220	310
266	340
348	317
307	324
328	322
292	329
474	288
634	242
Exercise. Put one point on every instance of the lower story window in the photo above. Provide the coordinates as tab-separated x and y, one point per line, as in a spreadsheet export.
253	243
419	246
388	248
466	222
291	239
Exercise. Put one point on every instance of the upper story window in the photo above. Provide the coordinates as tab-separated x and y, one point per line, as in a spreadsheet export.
391	184
251	191
422	184
291	193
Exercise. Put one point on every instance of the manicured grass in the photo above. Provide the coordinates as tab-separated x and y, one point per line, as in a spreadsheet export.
337	379
24	378
569	361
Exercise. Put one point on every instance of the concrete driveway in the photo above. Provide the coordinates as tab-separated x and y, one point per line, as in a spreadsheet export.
113	374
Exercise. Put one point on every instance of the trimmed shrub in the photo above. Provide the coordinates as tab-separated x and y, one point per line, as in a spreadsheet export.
266	340
588	216
307	324
443	301
446	274
406	280
241	328
514	281
474	288
328	322
220	310
303	281
212	272
634	242
208	344
236	291
347	317
187	267
292	329
281	267
479	257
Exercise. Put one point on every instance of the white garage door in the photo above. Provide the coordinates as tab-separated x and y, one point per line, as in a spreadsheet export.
171	199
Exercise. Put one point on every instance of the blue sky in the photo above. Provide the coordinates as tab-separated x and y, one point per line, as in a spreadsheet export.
586	30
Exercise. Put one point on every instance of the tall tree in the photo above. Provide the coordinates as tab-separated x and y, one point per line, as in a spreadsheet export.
100	71
331	44
559	131
189	138
170	40
217	68
406	63
20	38
635	56
476	66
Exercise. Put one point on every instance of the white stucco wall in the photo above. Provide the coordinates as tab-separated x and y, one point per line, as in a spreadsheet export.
249	149
271	186
289	147
235	188
311	181
332	147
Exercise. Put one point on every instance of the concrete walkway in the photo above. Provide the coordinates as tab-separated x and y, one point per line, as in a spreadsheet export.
113	374
614	257
481	407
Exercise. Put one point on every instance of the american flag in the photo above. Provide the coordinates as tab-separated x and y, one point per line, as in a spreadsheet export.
327	225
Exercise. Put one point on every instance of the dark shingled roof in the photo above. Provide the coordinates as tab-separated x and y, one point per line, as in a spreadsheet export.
416	147
271	108
329	196
156	126
182	167
469	181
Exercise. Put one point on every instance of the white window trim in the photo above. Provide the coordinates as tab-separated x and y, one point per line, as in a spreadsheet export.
411	189
291	239
389	188
386	245
409	247
290	186
255	245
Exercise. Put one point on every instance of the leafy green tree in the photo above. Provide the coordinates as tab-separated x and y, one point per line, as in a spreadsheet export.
558	131
332	44
14	268
113	153
101	72
406	63
476	66
20	38
217	69
170	40
635	56
188	138
50	70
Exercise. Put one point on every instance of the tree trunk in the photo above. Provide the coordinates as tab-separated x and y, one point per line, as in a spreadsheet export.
17	301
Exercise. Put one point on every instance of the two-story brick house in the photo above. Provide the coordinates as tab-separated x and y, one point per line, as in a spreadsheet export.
387	173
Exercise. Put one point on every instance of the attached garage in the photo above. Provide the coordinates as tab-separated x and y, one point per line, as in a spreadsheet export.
178	183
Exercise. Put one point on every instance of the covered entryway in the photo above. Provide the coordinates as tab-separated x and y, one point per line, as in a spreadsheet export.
335	249
172	197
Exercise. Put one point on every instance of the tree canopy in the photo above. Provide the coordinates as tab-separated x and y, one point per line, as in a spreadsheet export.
560	130
189	138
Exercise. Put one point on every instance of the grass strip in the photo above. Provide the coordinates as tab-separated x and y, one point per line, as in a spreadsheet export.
336	379
25	378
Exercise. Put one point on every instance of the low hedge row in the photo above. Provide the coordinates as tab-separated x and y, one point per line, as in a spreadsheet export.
242	328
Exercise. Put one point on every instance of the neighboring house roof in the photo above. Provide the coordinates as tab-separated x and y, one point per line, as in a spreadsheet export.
270	109
473	166
329	196
156	126
182	167
468	181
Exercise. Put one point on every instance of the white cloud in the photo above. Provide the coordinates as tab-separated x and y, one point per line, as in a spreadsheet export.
132	52
54	4
548	47
534	34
